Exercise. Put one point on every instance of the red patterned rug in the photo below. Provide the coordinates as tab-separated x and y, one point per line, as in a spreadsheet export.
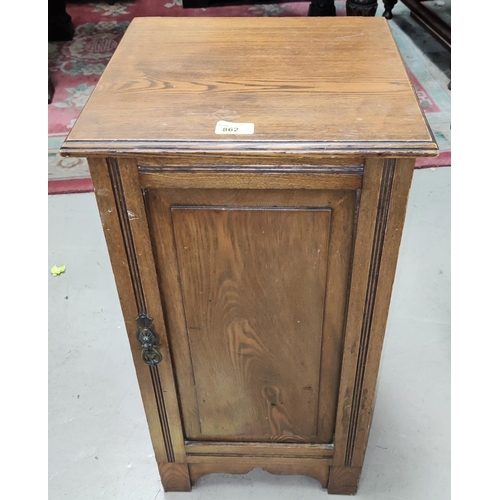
75	68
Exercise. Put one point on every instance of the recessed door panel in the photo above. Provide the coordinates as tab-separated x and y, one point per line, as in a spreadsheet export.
256	343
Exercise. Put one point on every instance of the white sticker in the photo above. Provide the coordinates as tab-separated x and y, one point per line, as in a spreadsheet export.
223	127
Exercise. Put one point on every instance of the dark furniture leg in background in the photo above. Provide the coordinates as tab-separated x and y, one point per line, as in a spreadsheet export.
389	5
317	7
322	8
438	28
361	7
195	4
61	27
51	90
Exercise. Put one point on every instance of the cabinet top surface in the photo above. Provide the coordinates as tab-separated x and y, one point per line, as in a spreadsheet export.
315	84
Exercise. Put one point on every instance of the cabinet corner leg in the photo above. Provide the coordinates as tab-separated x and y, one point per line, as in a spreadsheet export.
174	477
343	480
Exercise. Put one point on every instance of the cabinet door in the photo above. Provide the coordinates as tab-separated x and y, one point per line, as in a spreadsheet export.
253	286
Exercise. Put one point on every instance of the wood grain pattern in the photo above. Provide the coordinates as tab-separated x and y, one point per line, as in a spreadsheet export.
371	291
263	71
162	412
254	290
385	186
273	309
256	160
110	202
267	461
345	151
396	211
246	180
215	449
367	213
344	480
128	242
265	261
175	477
162	374
316	470
382	212
124	216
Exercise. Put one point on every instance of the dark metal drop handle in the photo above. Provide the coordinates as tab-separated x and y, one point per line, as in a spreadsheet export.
148	339
151	356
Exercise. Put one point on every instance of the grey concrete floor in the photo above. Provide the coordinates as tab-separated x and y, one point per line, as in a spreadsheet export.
99	446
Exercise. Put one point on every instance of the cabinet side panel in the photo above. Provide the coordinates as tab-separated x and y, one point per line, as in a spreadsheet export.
367	215
395	208
382	211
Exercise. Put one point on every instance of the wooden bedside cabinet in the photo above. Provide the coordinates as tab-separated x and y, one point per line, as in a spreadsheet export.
254	259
